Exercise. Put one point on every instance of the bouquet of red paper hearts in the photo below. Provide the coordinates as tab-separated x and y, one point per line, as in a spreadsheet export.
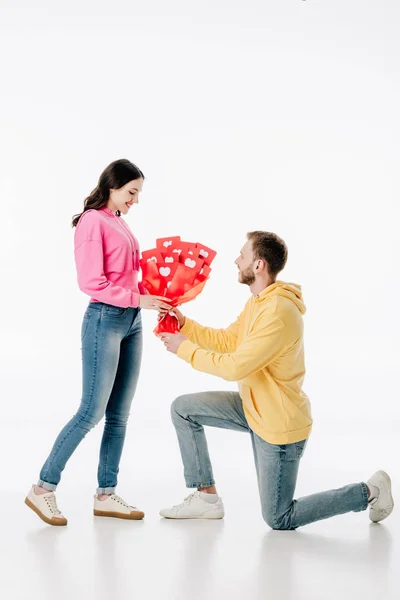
177	270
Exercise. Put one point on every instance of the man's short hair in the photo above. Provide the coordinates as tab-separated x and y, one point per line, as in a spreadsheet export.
271	248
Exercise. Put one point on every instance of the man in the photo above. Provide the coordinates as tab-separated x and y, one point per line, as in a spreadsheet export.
263	351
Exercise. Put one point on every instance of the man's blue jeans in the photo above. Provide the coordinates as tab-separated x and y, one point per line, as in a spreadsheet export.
276	465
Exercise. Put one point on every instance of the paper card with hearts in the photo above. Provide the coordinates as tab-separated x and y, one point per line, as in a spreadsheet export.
167	270
191	262
166	244
205	253
154	255
185	247
205	271
190	249
178	270
170	257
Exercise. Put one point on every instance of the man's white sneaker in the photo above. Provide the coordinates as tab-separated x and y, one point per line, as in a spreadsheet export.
381	507
45	506
115	507
195	507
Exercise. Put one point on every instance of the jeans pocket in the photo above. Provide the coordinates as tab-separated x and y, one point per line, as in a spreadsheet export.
293	451
114	311
85	324
300	447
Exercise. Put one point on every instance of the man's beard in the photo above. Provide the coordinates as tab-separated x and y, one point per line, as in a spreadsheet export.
247	276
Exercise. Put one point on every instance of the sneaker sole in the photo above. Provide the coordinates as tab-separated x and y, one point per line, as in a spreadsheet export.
58	523
388	485
134	516
210	518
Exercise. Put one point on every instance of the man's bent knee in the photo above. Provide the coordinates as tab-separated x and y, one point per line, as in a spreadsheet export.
279	523
180	406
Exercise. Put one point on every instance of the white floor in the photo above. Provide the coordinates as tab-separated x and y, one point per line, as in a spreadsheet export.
235	558
239	557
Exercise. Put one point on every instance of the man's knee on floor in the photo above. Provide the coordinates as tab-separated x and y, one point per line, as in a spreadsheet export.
278	522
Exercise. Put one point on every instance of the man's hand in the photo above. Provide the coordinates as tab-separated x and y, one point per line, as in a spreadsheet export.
180	316
172	341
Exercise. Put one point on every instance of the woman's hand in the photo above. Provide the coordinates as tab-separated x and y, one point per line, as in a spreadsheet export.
159	303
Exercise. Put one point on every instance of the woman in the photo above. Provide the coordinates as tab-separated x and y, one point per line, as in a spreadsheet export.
107	261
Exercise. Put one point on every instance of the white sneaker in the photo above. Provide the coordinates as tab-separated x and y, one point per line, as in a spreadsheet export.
115	507
382	506
45	506
195	507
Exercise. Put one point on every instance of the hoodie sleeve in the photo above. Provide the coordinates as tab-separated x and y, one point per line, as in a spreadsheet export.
263	345
89	259
142	289
218	340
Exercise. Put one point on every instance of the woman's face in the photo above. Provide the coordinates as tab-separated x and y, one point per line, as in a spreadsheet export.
124	198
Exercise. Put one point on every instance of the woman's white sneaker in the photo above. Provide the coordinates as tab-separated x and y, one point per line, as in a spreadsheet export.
115	507
381	506
45	506
195	507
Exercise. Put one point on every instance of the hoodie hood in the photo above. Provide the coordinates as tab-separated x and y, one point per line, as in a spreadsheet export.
292	291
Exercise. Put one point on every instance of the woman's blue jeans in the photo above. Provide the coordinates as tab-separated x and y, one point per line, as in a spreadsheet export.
111	358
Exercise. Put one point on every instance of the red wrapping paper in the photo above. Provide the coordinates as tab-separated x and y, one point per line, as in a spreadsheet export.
183	284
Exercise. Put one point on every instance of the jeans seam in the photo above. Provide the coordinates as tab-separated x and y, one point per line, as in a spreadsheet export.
196	452
106	455
278	489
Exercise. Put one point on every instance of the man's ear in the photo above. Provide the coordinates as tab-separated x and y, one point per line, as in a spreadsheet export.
260	264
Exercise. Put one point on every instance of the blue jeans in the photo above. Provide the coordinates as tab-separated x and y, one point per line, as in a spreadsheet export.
276	465
111	358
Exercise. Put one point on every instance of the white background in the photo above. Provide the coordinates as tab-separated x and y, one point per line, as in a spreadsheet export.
275	115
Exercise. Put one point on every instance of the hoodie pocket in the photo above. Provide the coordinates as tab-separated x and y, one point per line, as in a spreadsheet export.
248	401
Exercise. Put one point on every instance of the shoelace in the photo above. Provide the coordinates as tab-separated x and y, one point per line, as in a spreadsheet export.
52	504
187	500
118	499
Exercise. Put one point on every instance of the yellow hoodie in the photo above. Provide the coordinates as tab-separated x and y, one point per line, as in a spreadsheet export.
263	351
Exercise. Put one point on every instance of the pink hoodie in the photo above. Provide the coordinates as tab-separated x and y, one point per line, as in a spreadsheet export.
107	259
